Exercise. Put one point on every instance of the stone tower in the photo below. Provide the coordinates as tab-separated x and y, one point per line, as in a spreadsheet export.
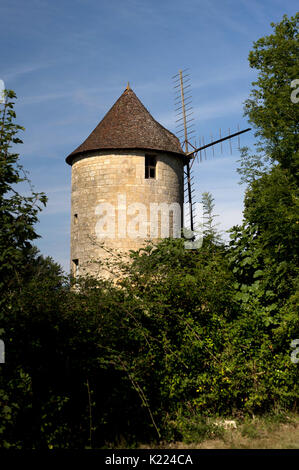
125	177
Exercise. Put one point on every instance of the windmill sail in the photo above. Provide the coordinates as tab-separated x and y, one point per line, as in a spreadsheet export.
185	129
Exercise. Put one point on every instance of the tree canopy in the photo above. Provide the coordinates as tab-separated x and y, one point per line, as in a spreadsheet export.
269	107
18	213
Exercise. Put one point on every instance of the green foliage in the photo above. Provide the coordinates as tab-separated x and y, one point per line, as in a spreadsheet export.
249	430
269	107
210	233
191	427
18	213
263	251
169	346
251	167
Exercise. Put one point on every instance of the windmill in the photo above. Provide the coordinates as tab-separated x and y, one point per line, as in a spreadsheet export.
185	129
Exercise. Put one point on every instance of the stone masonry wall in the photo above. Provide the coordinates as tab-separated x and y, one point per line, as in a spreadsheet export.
101	177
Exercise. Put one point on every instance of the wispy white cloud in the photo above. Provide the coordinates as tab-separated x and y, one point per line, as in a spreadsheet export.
212	110
225	16
232	71
45	144
224	107
37	99
235	72
23	69
256	9
81	95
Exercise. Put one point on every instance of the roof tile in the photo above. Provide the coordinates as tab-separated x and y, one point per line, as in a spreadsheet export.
129	125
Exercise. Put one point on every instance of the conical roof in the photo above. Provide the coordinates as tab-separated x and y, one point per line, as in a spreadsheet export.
129	125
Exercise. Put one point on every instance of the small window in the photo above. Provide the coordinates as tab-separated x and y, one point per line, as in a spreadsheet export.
75	219
150	166
75	267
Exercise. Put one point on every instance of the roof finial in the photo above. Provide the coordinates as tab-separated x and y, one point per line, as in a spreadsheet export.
128	86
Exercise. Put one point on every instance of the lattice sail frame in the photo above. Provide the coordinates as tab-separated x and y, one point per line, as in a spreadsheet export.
185	129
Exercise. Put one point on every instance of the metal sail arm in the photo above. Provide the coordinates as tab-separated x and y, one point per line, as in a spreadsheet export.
217	141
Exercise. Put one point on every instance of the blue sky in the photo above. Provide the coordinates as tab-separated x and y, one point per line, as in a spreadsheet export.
68	61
